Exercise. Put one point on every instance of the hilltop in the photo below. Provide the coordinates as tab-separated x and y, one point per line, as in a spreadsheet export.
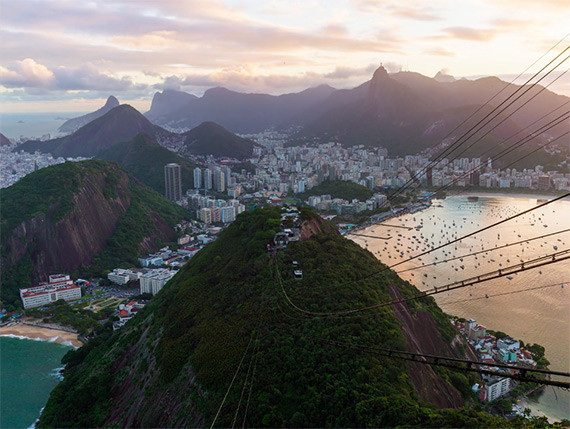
344	189
73	124
172	364
145	159
121	123
209	138
88	216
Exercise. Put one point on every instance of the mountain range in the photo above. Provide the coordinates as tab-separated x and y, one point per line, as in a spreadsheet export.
102	137
405	112
4	141
72	125
239	113
122	123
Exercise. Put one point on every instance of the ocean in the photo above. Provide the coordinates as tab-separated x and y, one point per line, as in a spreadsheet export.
15	125
29	372
538	316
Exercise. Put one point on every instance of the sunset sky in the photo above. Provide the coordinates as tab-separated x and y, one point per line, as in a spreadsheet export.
69	55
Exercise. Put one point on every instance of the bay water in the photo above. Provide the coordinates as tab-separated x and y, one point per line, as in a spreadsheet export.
533	306
29	370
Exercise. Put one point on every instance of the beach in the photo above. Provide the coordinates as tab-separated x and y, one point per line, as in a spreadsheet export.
39	333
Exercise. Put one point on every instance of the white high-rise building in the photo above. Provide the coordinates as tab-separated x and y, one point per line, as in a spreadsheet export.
197	178
207	178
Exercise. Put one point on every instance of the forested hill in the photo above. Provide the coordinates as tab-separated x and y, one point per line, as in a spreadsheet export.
145	159
344	189
89	215
172	365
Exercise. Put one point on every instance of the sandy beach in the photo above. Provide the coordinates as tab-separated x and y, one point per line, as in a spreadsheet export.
46	334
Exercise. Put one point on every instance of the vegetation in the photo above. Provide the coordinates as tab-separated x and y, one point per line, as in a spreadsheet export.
133	226
62	313
344	189
209	138
50	192
35	193
145	159
192	336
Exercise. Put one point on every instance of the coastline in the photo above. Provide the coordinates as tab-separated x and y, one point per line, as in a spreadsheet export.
525	403
529	195
41	334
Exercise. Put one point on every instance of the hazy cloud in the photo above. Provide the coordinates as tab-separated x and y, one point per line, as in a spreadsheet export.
415	10
26	73
37	78
467	33
439	51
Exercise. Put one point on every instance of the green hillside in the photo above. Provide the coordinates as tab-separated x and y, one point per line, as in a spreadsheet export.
171	366
86	216
145	159
344	189
209	138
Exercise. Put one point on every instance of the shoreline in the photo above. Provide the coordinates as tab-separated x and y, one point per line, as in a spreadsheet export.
41	334
506	194
524	402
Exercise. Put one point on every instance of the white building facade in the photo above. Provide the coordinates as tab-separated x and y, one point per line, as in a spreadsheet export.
59	286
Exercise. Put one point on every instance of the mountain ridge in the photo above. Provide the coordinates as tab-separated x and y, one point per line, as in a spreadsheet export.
396	117
73	124
209	138
121	123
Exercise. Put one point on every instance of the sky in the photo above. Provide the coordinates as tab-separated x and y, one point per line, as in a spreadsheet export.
70	55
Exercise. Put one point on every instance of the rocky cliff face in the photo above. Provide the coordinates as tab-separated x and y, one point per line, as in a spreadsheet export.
74	240
71	226
419	329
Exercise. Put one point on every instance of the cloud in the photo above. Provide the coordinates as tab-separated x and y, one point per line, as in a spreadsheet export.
26	73
439	51
37	78
415	10
467	33
341	72
416	13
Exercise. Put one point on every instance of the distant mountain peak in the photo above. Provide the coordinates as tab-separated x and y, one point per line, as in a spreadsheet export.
443	77
112	101
74	124
380	73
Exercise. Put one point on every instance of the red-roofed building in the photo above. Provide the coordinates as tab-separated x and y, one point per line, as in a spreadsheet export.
60	286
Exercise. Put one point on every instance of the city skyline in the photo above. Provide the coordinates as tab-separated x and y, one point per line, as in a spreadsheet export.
63	56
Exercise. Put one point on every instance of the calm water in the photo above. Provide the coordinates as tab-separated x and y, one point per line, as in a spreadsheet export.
539	316
14	125
28	372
